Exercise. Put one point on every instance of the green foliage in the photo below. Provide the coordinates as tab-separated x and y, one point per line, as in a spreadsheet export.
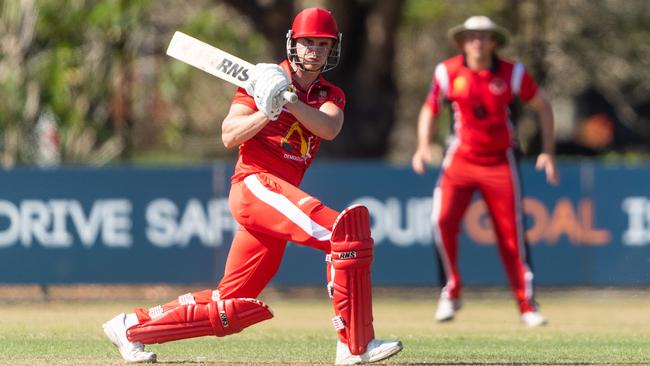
99	67
76	53
70	62
13	96
420	12
217	27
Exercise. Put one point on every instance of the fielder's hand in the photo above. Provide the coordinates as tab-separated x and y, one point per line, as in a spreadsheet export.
421	157
266	85
546	162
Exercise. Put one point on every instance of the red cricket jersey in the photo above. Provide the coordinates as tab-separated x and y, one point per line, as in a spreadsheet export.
480	102
284	148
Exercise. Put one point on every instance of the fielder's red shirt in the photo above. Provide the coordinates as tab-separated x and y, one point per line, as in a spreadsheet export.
284	147
480	103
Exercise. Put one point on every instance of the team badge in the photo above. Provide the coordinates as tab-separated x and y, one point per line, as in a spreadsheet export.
322	95
497	86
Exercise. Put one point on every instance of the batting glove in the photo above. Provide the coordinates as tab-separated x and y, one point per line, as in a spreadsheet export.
268	90
257	73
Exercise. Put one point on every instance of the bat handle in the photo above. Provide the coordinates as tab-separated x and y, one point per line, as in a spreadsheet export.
290	97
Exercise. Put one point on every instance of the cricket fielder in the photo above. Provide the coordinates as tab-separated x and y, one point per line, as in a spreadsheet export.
480	87
277	143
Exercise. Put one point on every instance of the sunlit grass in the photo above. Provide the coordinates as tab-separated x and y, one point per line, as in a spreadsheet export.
582	330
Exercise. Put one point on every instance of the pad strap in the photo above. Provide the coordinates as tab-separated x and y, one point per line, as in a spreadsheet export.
351	259
219	318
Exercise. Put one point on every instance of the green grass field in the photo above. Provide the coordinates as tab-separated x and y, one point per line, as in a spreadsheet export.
586	327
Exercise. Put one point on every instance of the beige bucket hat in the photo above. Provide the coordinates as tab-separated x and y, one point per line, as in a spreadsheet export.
482	24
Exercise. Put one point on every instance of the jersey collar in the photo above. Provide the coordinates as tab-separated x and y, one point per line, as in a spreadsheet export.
493	68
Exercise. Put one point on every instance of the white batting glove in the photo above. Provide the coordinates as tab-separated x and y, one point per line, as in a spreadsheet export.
268	90
257	73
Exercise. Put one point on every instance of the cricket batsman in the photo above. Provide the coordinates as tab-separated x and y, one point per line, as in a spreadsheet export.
277	143
480	86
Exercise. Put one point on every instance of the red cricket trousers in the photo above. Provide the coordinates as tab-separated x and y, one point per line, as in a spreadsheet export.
498	184
270	212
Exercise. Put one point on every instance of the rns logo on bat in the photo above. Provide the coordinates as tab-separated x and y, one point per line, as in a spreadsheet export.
233	69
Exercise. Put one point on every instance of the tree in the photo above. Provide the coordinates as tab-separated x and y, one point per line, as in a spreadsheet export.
97	70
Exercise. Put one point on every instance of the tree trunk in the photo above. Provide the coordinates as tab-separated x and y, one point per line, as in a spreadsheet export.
366	76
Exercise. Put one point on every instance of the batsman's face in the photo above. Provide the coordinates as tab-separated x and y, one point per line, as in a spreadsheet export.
313	52
478	45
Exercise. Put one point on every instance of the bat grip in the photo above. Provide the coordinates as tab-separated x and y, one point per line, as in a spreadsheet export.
290	97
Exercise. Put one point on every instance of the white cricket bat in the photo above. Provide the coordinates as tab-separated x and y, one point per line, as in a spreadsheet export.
214	61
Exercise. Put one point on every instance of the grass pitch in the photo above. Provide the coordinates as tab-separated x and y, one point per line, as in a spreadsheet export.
586	327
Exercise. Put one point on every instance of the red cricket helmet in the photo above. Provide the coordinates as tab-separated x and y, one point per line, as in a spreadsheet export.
315	22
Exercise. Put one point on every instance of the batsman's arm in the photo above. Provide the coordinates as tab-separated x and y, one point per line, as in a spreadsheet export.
325	122
241	124
546	160
427	127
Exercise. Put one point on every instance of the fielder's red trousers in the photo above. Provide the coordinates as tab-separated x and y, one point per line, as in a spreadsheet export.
498	183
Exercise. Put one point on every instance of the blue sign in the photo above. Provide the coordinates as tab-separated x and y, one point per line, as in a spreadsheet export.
173	225
113	225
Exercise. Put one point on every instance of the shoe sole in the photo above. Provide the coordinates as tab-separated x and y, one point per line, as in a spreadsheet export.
391	352
108	330
535	325
449	318
442	319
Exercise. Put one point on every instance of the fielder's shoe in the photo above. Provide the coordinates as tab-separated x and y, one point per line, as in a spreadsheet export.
447	308
377	350
533	319
132	352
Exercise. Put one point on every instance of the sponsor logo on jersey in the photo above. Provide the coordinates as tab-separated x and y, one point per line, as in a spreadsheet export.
480	111
460	85
299	159
288	145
